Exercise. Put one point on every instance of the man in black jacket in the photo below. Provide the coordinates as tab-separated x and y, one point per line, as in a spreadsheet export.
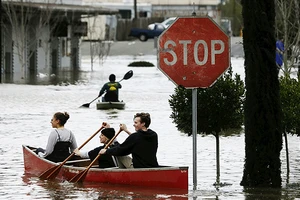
142	144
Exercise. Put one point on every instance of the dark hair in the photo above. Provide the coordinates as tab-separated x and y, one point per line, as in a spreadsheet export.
112	77
62	117
145	118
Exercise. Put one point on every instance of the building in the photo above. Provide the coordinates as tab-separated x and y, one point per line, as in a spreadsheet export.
161	8
39	38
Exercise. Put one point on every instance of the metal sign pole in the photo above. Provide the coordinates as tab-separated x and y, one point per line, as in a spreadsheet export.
194	118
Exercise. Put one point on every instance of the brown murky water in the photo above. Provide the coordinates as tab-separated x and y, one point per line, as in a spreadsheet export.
25	116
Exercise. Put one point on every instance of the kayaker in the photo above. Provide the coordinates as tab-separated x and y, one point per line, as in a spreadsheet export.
61	141
112	90
142	144
104	161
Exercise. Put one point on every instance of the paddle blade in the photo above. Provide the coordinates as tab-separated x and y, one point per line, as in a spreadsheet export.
79	177
51	173
128	75
86	105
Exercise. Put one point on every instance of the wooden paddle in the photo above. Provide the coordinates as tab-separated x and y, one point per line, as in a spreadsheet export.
80	176
127	76
52	172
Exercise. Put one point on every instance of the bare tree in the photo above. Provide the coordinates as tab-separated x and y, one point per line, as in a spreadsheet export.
25	23
288	28
98	38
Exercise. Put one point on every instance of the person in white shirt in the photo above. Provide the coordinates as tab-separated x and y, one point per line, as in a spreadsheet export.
61	141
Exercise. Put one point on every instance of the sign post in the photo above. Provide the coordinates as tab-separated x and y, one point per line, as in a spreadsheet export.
193	52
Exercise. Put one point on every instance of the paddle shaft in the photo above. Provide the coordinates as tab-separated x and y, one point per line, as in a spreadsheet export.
80	177
50	173
93	100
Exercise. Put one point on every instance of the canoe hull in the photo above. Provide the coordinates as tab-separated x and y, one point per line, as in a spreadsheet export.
110	105
163	177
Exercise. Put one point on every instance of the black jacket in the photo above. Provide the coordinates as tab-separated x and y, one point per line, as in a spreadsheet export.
104	161
143	147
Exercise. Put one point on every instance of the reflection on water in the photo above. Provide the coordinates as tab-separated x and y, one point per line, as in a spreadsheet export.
62	77
25	116
66	190
112	113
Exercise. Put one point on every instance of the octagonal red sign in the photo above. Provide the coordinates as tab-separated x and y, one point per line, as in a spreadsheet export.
193	52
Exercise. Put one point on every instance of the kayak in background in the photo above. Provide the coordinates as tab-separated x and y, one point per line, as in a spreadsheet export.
110	105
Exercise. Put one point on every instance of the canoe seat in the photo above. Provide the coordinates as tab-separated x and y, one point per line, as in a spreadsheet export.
79	163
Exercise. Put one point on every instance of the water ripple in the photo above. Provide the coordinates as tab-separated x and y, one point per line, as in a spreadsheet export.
26	111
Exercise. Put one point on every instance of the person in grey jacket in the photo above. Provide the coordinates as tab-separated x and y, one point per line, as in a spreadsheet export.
61	141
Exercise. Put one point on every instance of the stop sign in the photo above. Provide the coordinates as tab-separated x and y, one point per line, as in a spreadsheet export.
193	52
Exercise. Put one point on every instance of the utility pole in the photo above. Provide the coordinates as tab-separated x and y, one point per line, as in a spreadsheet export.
234	18
135	10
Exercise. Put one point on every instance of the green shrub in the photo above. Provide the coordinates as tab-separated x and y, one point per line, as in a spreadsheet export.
141	64
219	107
290	104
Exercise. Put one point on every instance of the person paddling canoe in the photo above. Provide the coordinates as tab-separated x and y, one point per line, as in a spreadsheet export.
142	144
104	161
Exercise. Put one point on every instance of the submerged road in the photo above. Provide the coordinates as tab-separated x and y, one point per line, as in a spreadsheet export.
136	47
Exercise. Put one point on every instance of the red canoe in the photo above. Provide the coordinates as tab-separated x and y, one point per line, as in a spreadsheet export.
163	177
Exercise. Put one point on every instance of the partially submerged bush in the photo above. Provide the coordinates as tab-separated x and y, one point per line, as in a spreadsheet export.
290	98
141	64
219	107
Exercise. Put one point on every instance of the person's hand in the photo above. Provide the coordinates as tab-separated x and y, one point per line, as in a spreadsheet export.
41	154
115	140
105	125
77	152
123	127
102	151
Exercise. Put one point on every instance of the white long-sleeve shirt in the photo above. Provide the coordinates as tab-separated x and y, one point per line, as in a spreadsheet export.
65	135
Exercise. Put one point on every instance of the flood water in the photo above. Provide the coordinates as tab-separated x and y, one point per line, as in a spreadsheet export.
26	111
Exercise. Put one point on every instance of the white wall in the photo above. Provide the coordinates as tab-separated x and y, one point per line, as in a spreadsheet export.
96	27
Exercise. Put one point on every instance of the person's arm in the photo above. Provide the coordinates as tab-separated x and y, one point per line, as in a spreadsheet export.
124	128
279	51
52	139
73	142
119	85
102	90
121	150
93	153
82	154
